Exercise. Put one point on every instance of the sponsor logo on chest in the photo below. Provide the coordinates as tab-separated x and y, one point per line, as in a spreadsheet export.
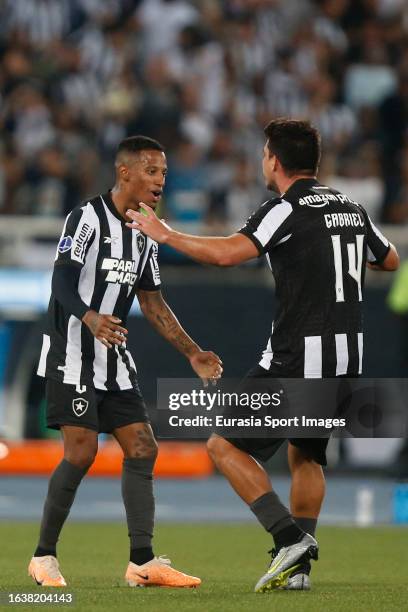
122	271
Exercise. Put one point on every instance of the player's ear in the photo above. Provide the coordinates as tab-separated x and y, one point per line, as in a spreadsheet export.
124	172
275	163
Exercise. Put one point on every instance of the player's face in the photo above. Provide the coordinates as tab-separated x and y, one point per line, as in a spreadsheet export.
146	177
268	169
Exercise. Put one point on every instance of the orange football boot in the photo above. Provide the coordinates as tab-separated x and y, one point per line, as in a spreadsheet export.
45	571
158	572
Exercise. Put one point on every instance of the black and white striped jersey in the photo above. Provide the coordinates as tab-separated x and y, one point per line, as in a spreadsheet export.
114	261
317	242
40	22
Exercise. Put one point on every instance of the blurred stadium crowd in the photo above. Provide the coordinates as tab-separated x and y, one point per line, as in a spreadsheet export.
203	77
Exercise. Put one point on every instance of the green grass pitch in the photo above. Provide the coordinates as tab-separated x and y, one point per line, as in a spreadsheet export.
360	570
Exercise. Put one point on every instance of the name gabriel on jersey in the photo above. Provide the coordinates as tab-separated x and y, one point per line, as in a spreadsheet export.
122	271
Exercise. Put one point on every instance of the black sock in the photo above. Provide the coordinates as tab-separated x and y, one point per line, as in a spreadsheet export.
62	488
43	552
307	524
276	519
271	513
141	555
288	536
137	492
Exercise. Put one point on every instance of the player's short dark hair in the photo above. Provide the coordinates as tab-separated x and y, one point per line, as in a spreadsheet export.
135	144
296	144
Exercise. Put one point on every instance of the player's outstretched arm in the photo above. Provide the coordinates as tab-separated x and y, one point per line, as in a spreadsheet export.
218	251
390	263
206	364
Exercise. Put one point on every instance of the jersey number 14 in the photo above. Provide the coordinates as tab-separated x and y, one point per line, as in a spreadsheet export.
355	262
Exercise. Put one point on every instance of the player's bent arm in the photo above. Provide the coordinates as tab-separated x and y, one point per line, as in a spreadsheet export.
105	328
390	263
64	283
206	364
162	318
223	251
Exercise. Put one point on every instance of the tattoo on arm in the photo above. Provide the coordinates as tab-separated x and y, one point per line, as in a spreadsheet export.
165	322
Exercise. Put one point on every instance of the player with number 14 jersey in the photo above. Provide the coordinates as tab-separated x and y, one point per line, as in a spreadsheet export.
317	242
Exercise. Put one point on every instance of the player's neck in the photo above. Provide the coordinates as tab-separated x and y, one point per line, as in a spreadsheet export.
287	181
121	201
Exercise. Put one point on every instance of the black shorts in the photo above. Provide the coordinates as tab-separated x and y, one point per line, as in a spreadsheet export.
102	411
263	449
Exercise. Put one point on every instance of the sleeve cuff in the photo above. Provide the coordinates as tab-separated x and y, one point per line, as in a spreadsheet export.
82	311
247	232
68	262
150	288
380	260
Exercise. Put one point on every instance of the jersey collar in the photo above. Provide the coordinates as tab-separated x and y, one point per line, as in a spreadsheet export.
301	183
107	198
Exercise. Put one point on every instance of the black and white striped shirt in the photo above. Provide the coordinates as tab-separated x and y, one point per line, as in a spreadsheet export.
317	242
42	21
114	261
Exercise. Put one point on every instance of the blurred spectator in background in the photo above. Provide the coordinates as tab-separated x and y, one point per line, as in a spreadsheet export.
393	114
198	61
369	76
40	22
156	107
235	203
335	121
30	121
76	76
358	175
397	209
162	21
186	196
243	194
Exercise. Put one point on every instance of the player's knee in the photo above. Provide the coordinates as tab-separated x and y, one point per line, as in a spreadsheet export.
83	460
82	453
148	449
151	450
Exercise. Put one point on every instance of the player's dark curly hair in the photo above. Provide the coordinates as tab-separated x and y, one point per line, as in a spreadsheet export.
296	144
134	144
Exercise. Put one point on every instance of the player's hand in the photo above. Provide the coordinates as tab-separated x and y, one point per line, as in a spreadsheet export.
148	223
207	365
105	328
